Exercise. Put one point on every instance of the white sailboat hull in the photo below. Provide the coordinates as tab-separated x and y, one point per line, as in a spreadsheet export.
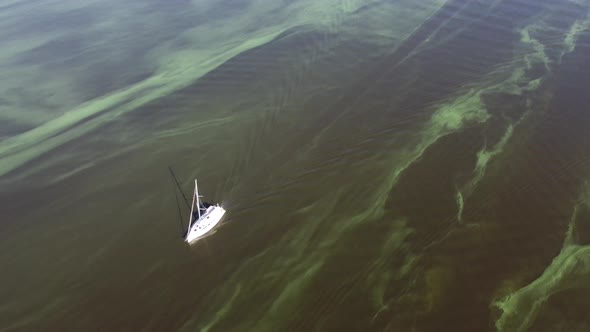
208	220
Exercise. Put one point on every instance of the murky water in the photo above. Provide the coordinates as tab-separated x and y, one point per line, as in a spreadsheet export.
386	165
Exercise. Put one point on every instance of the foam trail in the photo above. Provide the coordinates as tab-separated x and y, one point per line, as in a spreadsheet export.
532	53
570	269
511	78
571	36
301	265
449	116
381	280
483	158
22	148
205	45
460	204
226	308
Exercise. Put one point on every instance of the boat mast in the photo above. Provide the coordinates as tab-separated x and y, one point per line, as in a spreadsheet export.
197	195
192	209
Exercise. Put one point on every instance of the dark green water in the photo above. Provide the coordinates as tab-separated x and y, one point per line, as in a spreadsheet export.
386	165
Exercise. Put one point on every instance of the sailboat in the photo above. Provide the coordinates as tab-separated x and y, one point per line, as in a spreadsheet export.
203	217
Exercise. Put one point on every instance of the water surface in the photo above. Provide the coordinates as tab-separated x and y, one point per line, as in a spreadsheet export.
386	165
